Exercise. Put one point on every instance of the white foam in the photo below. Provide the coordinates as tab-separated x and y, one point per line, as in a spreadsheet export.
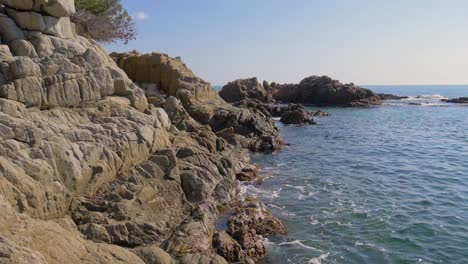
299	243
426	97
313	221
319	259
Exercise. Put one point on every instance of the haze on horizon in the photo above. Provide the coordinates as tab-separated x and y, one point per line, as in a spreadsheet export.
360	41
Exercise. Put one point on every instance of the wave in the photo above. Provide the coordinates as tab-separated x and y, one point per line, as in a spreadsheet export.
319	259
298	243
425	97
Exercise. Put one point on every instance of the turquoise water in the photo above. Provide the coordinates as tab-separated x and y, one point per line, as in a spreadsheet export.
386	184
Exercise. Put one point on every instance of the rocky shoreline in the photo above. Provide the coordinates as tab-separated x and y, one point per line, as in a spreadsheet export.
95	169
132	158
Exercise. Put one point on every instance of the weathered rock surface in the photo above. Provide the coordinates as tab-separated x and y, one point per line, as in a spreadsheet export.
250	94
161	74
45	64
92	173
323	91
297	116
461	100
243	89
242	240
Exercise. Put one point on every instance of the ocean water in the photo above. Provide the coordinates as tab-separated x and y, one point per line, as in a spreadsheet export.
384	184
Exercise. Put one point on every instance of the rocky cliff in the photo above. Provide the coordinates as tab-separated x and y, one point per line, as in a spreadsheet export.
90	172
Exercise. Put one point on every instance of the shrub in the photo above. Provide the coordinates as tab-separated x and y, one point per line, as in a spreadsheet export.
104	21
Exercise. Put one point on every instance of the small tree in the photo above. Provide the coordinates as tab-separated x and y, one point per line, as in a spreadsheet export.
104	21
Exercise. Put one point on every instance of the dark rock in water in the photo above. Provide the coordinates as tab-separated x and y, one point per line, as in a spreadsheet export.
320	113
244	89
461	100
250	94
297	116
414	104
384	96
250	221
323	91
294	114
248	173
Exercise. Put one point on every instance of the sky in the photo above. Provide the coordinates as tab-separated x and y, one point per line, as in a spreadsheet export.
362	41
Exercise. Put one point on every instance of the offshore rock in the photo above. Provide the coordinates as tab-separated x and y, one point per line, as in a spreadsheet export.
250	94
461	100
323	91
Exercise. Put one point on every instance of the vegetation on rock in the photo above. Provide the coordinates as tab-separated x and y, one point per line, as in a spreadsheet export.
104	21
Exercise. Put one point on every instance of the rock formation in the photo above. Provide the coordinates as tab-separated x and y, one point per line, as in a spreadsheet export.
90	172
249	93
384	96
244	89
168	76
323	91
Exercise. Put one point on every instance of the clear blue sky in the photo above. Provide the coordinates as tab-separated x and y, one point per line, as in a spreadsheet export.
361	41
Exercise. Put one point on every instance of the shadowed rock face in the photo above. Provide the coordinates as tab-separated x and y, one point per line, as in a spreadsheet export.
323	91
89	171
171	77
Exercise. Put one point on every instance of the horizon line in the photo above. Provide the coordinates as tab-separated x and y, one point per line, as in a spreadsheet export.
437	84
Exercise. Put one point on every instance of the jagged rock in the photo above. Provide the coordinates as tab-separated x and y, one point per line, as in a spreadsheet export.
227	247
323	91
244	89
297	116
197	100
250	220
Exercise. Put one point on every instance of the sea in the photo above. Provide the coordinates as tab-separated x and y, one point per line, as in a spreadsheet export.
383	184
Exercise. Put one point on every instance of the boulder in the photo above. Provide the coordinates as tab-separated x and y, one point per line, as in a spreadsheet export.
297	117
244	89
